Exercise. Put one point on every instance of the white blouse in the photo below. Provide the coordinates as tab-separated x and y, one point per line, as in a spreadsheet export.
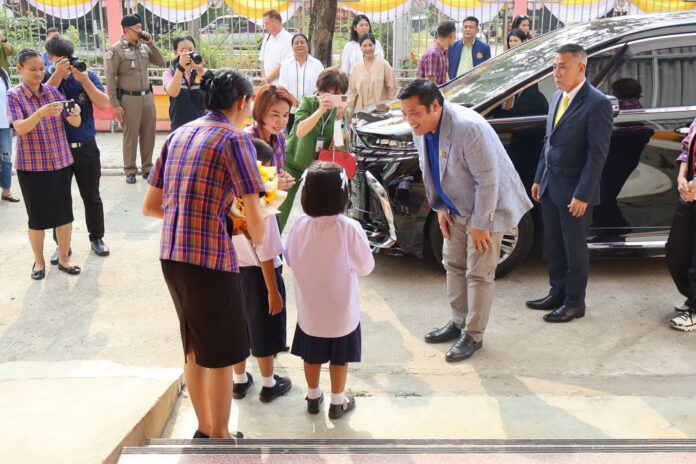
327	254
300	80
250	254
352	54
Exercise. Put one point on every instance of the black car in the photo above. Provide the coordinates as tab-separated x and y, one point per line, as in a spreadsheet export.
653	55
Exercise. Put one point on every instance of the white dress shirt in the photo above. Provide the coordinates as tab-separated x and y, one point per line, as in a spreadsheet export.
352	54
300	80
275	49
327	254
573	93
250	254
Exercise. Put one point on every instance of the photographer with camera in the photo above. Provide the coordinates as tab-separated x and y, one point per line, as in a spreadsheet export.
130	92
70	76
182	83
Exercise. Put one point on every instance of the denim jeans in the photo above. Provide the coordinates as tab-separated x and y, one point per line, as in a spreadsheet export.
5	158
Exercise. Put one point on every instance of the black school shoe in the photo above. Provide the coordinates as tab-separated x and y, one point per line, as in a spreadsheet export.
314	405
336	411
200	434
281	387
239	390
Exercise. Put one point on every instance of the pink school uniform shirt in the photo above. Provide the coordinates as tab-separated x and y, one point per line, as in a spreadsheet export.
327	254
45	148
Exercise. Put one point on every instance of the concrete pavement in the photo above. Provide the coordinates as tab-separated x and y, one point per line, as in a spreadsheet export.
86	359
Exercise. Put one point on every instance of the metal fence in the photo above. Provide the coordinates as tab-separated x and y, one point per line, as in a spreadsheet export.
229	38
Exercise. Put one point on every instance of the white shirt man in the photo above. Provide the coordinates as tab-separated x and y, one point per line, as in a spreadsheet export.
275	49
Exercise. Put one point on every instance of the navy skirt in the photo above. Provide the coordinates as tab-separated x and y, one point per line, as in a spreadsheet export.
319	350
267	333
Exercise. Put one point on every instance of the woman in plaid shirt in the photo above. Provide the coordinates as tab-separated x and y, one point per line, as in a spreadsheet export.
44	160
203	166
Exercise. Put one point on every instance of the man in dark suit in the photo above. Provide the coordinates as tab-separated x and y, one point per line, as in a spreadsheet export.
469	52
567	181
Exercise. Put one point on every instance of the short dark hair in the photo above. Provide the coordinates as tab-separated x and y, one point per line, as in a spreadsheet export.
369	36
224	87
51	30
332	78
181	38
299	34
60	46
445	28
353	33
264	152
25	54
323	193
517	33
426	91
273	14
577	51
626	88
471	18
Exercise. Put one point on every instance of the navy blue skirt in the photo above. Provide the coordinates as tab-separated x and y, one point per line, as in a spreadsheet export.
266	332
319	350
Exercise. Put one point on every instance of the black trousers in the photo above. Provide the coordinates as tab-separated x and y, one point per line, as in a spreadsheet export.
87	170
680	251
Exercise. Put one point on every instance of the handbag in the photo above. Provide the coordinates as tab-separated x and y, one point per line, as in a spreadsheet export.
344	159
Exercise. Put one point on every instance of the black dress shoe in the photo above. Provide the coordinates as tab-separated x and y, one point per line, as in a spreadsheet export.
130	178
463	348
565	314
313	405
72	270
239	390
99	247
336	411
37	275
200	434
548	302
146	174
56	256
444	334
281	387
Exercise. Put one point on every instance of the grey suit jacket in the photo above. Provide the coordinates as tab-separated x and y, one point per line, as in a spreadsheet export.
475	172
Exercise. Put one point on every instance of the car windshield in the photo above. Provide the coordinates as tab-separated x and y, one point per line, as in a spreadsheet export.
496	76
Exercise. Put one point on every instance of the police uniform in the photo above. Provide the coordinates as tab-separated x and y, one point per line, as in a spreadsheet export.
128	86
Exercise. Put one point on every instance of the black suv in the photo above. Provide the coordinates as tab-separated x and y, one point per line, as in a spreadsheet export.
656	52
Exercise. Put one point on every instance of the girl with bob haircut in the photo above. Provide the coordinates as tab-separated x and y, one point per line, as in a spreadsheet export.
203	167
351	52
316	121
327	252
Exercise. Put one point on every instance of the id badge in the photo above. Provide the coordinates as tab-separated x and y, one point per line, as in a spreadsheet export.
320	144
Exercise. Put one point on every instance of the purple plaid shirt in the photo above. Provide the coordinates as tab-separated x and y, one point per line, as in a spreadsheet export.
277	143
684	156
434	63
203	166
45	148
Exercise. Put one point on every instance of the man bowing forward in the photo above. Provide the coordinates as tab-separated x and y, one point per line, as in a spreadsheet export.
578	131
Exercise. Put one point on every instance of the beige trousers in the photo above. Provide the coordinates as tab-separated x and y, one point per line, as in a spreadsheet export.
470	277
139	124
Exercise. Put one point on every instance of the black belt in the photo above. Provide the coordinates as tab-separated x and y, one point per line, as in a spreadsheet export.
138	93
81	144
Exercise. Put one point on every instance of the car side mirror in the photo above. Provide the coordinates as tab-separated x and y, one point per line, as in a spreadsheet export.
682	131
615	108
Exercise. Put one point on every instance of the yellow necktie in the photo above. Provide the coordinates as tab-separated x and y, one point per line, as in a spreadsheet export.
561	109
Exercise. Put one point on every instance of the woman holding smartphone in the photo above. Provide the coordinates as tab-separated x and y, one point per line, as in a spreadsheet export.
318	124
372	79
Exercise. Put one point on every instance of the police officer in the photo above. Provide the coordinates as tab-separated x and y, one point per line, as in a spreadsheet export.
130	92
85	89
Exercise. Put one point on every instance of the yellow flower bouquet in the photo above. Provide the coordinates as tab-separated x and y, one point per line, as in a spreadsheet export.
270	201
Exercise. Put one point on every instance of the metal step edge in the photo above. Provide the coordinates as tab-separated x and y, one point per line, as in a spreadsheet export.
232	449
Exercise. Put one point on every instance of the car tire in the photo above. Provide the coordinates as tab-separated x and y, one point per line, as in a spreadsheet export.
516	245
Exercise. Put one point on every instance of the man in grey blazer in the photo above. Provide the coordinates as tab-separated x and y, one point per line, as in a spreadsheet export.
471	183
567	181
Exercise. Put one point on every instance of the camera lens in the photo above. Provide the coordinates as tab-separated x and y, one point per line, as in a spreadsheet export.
75	62
196	57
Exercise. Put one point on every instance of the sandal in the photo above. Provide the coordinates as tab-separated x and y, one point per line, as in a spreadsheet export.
11	197
37	275
72	270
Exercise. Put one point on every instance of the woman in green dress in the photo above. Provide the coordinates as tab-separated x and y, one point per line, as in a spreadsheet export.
315	122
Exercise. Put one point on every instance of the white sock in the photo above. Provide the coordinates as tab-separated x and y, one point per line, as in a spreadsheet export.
268	381
314	393
338	398
240	378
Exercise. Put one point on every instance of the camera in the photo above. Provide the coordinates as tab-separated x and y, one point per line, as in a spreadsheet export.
69	105
196	57
76	63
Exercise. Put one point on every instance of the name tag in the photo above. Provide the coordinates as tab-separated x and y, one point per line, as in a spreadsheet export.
442	154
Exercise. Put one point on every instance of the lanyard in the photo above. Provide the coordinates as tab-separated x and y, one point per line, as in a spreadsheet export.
297	79
326	121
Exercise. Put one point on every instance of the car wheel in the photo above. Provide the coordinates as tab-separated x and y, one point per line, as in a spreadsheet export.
515	247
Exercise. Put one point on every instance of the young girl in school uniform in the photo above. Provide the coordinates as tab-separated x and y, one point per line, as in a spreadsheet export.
327	252
263	293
